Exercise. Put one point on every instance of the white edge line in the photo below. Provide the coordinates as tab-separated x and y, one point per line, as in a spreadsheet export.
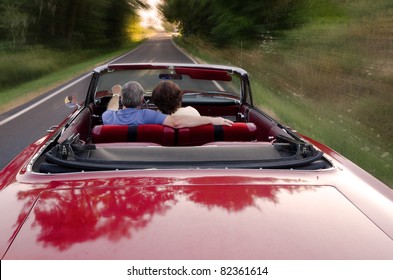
218	86
183	52
56	92
42	100
73	83
196	62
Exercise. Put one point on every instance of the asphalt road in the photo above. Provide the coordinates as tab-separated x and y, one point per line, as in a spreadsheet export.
23	125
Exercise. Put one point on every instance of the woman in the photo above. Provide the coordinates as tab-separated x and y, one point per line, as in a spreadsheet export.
167	97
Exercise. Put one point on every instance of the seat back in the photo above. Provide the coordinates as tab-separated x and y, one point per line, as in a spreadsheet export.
153	133
199	135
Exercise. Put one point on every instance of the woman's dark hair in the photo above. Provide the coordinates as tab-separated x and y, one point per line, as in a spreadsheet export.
167	97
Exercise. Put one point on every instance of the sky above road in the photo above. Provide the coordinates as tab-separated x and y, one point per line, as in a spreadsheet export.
151	16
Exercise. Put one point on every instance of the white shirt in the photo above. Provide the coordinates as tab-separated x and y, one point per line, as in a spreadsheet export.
190	111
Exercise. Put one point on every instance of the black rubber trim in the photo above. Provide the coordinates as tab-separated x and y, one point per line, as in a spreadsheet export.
218	133
132	133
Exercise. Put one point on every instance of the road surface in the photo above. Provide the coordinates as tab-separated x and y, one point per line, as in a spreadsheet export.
23	125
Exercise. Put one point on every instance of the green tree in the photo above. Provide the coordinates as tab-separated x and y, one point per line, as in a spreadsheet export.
14	22
226	22
67	23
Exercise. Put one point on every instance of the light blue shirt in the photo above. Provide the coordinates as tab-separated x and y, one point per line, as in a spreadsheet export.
133	116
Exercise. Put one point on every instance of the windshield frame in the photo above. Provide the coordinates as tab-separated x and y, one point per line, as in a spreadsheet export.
194	78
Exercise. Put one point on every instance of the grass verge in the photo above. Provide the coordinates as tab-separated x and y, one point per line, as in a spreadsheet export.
38	82
325	82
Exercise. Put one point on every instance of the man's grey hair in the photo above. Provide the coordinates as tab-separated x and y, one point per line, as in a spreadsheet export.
132	94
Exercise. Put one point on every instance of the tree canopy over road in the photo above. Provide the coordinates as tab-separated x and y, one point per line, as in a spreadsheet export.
223	21
73	22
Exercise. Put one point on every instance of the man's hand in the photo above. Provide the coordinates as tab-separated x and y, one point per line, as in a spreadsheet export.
116	89
113	104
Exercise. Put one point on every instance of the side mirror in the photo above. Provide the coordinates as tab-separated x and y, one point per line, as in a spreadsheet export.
71	101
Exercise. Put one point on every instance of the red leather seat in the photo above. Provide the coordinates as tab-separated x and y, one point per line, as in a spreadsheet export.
203	134
153	133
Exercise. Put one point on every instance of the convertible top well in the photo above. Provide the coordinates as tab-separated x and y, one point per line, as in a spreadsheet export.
284	154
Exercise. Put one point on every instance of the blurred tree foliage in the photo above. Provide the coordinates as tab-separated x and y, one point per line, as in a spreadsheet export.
224	22
65	23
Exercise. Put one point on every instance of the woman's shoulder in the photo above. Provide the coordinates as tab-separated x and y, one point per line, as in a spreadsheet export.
187	111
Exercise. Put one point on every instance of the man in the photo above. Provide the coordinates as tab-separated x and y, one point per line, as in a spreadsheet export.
132	94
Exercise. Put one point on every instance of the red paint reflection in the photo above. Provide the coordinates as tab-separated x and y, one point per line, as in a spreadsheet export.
79	212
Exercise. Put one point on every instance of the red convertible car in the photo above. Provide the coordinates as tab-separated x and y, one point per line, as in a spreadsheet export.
253	190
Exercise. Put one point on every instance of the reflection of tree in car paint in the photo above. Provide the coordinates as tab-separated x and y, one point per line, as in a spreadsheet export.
78	212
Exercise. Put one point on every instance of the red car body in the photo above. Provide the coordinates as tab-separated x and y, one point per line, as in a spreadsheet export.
339	212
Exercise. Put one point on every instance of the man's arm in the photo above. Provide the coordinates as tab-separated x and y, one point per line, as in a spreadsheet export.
191	121
113	104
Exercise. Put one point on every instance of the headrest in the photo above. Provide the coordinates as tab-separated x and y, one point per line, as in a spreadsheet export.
199	135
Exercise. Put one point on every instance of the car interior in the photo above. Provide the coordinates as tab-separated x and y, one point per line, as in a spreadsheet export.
253	141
